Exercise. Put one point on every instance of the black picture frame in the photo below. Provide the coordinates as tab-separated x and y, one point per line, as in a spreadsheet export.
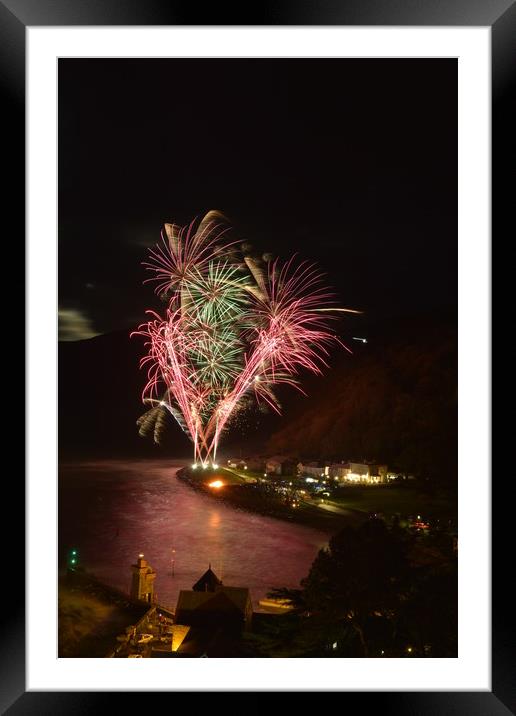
500	15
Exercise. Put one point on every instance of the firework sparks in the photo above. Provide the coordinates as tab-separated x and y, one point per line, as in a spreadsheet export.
235	327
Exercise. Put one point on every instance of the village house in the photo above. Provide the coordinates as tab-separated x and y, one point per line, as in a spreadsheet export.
315	470
359	472
211	605
279	465
237	463
378	473
344	472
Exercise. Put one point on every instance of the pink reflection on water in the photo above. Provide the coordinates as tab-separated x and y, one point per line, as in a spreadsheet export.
112	510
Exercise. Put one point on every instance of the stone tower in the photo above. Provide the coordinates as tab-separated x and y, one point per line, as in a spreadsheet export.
142	583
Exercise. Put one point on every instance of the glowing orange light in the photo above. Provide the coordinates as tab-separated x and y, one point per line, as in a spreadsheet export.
217	484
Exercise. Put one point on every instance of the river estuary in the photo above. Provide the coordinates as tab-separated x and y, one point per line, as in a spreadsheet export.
112	510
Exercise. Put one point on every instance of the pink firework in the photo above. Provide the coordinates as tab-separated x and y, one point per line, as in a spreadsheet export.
236	325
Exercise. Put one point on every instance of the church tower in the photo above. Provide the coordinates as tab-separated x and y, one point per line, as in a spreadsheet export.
142	583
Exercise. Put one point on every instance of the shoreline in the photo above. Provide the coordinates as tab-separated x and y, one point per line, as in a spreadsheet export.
245	497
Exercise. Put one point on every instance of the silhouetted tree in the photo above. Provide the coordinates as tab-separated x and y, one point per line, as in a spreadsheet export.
375	590
362	574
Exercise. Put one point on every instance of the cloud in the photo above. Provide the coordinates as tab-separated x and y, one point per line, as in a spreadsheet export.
74	325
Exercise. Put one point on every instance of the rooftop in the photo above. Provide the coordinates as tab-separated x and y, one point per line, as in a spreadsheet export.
226	599
208	582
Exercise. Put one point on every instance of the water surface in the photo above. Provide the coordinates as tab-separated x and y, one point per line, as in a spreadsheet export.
112	510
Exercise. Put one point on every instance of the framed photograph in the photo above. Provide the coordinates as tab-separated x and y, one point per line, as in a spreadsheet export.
258	352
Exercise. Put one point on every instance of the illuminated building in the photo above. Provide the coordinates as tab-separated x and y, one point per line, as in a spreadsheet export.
345	472
313	469
142	583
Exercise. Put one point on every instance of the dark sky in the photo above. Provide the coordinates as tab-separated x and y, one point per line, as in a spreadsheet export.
352	163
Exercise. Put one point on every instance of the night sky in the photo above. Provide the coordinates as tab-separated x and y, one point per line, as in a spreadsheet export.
352	163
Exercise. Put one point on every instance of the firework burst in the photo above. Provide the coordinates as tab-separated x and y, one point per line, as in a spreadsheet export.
235	327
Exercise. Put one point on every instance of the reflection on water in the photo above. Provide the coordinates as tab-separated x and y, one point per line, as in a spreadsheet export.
112	510
214	519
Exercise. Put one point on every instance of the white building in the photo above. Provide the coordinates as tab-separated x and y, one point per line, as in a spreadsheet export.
312	469
345	472
359	472
339	471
